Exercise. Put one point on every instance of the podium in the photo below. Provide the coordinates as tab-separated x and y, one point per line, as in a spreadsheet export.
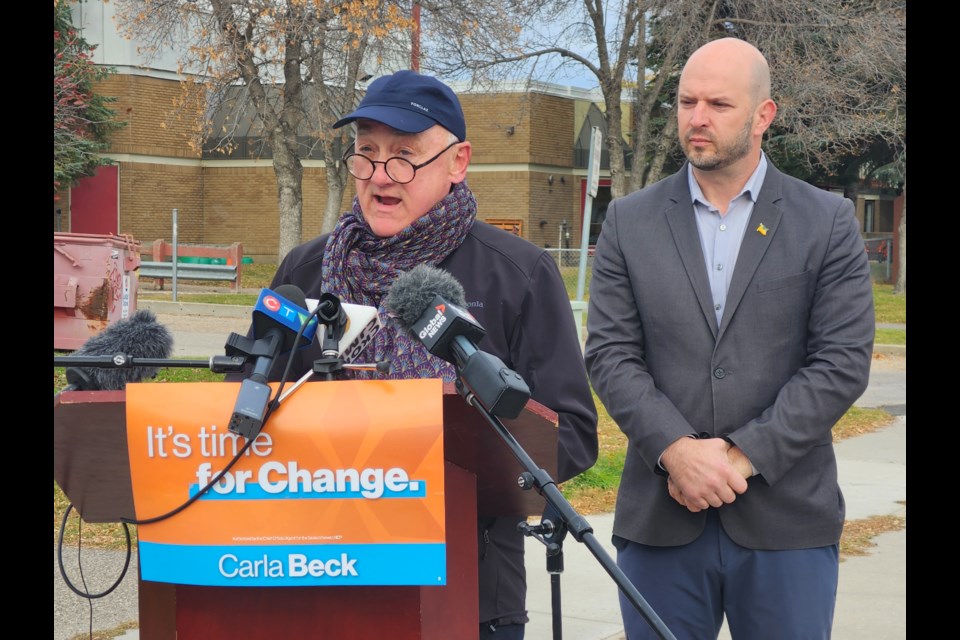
91	466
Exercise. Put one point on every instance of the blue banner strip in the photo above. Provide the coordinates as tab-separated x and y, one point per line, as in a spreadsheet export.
295	565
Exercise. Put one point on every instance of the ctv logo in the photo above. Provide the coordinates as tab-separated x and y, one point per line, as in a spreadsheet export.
275	306
278	308
272	303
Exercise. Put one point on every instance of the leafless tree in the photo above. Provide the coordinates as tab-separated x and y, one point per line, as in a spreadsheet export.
840	80
293	64
838	70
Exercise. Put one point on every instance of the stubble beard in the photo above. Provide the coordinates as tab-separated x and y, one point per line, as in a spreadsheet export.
722	155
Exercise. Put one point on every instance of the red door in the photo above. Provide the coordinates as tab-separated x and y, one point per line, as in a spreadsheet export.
94	203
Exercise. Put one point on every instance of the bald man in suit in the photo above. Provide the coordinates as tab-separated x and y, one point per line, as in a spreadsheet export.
730	326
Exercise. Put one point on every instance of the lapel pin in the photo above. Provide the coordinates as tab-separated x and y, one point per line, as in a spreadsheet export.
762	229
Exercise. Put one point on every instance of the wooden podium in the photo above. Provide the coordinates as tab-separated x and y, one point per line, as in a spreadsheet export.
91	466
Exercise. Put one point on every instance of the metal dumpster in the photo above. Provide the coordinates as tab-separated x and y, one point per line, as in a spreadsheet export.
95	281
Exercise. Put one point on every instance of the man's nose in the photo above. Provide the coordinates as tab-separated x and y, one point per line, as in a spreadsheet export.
380	173
698	115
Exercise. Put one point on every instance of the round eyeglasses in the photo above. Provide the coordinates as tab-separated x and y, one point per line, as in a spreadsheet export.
400	170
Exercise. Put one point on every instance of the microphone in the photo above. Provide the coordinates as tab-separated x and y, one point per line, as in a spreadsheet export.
277	318
356	325
360	325
333	321
430	303
139	336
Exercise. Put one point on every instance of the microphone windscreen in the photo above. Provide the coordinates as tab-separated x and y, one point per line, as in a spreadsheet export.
283	309
293	293
139	336
413	291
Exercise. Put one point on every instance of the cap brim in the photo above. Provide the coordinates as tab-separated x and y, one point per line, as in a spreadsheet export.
399	119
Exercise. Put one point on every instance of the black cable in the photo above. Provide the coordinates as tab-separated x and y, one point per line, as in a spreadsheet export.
63	571
128	521
215	479
286	371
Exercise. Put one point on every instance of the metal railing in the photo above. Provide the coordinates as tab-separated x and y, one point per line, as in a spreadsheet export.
188	271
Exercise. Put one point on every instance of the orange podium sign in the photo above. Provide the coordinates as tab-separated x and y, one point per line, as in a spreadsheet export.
343	486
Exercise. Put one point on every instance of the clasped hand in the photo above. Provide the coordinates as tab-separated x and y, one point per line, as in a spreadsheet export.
705	472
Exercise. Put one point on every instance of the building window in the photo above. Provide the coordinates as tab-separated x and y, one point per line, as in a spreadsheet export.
869	215
599	210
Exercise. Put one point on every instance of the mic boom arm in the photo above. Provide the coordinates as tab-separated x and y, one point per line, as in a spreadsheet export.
551	533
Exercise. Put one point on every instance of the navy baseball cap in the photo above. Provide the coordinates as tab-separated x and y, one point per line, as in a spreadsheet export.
410	102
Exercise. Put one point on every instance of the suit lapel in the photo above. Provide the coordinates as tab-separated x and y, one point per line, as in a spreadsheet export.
763	225
683	226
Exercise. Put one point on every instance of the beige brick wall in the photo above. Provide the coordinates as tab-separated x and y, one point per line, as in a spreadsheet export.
228	204
489	122
550	139
541	139
240	205
156	126
149	193
528	197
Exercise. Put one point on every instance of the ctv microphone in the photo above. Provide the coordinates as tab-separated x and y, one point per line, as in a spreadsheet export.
277	318
429	302
139	336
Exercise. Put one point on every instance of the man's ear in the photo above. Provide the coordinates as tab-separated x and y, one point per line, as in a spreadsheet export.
458	170
766	110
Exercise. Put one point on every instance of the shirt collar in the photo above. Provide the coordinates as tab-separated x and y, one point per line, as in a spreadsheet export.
751	188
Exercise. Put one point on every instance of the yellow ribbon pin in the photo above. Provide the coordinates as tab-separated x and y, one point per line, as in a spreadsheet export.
762	229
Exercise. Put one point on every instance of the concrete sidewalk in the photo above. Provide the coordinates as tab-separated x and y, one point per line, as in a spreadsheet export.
871	599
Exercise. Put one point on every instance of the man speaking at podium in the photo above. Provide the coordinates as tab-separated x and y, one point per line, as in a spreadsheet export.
413	206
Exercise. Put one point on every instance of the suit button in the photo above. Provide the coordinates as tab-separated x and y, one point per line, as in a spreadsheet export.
719	373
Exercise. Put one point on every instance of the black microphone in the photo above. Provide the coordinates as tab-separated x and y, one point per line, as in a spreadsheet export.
333	322
139	336
276	321
430	304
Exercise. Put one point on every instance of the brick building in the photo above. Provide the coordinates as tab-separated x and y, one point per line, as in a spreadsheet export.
528	171
523	173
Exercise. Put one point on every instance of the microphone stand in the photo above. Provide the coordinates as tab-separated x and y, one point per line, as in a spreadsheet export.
551	532
217	364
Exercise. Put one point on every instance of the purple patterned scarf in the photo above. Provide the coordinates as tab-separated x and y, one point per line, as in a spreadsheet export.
359	267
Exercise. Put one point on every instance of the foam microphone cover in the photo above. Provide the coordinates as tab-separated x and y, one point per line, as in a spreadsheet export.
139	336
413	292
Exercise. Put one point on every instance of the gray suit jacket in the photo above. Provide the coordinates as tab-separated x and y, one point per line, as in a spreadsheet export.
791	355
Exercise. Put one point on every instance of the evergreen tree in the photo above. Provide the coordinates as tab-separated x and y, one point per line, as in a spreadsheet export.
82	119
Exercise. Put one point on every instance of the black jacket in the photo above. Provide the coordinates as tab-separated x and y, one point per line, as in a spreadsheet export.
515	291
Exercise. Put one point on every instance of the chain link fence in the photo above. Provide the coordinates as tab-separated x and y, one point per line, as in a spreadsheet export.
570	257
